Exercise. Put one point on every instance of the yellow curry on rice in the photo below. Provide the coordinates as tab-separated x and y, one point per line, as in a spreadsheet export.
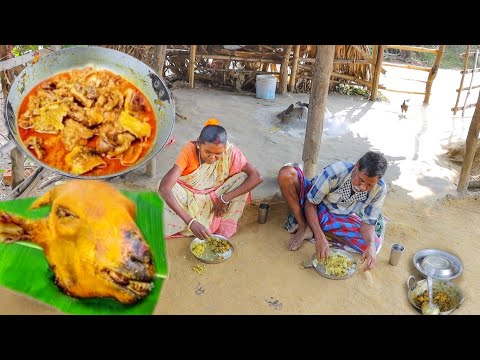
87	122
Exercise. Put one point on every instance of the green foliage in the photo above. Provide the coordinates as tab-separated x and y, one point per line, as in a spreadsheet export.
23	49
451	58
351	90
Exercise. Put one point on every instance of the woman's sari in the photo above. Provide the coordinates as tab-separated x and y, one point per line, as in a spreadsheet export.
198	191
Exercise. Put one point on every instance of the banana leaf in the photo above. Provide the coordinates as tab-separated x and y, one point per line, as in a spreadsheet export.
24	269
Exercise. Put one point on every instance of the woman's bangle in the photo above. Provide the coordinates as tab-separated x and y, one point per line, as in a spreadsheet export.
225	202
190	223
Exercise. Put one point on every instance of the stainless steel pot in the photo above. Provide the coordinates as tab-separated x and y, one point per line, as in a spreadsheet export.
142	76
415	288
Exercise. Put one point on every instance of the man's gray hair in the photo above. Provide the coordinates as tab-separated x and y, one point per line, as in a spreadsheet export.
374	164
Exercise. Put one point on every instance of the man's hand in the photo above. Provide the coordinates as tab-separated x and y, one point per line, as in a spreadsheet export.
369	258
199	230
321	247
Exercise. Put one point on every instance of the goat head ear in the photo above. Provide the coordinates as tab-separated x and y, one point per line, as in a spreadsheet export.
45	199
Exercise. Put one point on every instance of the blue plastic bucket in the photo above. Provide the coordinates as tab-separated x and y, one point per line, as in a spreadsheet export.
265	87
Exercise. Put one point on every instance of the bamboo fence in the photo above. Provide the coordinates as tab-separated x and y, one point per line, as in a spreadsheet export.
220	67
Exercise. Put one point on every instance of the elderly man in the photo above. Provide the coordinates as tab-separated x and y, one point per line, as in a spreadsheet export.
343	203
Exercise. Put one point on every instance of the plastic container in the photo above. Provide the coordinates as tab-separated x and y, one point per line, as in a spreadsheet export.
265	87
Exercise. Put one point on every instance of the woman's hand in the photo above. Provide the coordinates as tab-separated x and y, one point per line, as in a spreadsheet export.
199	230
219	207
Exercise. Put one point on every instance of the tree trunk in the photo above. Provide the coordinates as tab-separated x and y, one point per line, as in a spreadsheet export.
316	109
161	54
471	146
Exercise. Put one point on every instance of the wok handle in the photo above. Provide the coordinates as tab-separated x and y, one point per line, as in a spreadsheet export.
6	148
410	278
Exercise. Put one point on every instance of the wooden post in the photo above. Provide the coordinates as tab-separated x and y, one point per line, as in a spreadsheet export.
161	54
18	166
151	167
372	66
191	66
284	69
16	155
376	72
316	110
293	75
433	74
471	146
465	65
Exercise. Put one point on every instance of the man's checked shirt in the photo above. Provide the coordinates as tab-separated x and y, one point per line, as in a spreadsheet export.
333	188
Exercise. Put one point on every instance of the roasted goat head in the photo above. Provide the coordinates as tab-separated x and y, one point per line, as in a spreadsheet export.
90	240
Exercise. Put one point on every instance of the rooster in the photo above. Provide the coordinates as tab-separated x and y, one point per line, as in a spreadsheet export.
404	106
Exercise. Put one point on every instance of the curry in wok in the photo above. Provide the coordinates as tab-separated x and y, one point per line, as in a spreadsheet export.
87	122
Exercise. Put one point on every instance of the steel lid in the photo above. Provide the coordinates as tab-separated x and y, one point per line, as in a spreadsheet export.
438	264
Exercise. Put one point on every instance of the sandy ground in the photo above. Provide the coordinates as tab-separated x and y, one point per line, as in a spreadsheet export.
263	277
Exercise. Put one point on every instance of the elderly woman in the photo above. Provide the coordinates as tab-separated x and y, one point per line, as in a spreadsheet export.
208	186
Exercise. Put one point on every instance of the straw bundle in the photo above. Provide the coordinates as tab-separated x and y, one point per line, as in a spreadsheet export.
144	53
217	66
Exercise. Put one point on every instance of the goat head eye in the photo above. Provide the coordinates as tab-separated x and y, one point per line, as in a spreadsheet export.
65	213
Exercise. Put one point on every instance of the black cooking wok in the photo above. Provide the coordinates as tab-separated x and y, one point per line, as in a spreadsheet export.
142	76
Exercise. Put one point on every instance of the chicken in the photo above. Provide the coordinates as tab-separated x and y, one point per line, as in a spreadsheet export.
404	106
90	240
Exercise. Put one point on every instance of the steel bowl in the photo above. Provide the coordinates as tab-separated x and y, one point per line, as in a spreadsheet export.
208	256
415	288
438	264
132	69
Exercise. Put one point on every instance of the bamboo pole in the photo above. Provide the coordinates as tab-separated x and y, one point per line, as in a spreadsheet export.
411	48
466	106
433	74
402	91
466	88
470	148
353	78
475	60
413	67
376	73
236	70
236	58
191	66
284	69
293	75
316	112
472	71
365	55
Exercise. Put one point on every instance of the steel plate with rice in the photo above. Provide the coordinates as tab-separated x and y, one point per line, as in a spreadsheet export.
340	265
214	250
